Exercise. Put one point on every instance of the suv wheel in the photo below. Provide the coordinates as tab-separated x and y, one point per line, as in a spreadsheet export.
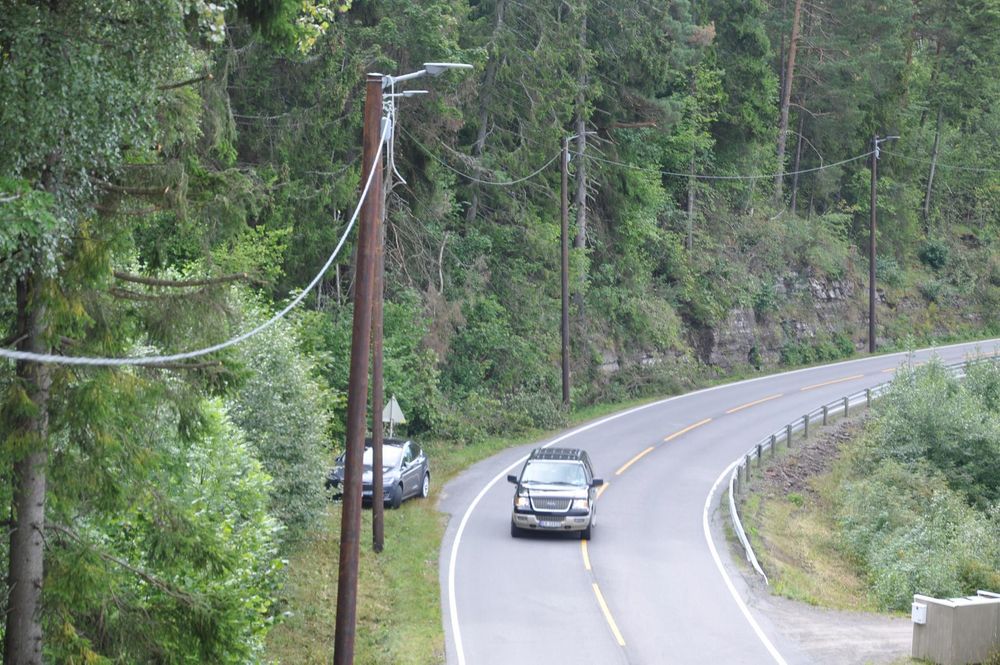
514	531
585	534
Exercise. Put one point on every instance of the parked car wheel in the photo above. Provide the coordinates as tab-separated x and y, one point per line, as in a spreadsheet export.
425	489
396	496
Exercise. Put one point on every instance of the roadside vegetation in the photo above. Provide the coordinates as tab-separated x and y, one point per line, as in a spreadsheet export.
903	501
173	173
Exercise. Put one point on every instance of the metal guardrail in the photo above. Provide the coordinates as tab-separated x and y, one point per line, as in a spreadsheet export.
786	435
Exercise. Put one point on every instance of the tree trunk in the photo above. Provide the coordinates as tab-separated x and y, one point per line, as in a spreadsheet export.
798	161
786	98
581	144
23	633
486	97
690	207
580	199
930	176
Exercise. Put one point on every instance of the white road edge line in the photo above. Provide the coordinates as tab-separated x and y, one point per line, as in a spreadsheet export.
722	571
453	559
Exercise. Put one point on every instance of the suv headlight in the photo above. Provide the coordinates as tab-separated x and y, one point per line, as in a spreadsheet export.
522	501
583	504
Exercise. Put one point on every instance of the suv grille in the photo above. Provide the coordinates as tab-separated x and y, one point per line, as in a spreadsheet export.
554	504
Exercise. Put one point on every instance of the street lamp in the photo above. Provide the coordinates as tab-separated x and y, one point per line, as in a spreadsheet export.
876	141
430	69
367	324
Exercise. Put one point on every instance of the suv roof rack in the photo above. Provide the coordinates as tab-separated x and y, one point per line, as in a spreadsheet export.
557	454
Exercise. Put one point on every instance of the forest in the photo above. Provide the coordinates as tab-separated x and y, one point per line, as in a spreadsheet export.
174	174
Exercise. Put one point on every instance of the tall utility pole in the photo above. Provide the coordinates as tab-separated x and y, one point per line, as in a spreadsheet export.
871	239
357	391
564	210
871	248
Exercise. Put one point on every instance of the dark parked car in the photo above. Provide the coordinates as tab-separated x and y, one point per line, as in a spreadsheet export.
405	472
556	491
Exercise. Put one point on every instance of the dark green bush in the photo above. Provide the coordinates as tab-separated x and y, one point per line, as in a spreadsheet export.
933	253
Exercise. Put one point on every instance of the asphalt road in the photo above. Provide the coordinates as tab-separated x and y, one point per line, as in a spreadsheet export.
655	584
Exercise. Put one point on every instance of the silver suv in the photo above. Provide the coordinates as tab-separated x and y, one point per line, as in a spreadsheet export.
556	491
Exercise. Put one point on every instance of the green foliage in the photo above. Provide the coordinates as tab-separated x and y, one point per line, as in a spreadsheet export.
836	346
283	411
929	416
915	535
161	545
933	253
920	508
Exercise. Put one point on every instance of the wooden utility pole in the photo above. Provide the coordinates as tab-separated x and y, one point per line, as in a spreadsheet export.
871	247
357	391
564	218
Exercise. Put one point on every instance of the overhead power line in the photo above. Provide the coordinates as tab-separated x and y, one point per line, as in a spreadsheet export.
499	183
728	177
155	360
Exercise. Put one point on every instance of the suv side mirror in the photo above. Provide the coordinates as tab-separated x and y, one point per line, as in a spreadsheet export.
512	479
596	482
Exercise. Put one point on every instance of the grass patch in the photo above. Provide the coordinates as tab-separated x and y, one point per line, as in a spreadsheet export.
399	613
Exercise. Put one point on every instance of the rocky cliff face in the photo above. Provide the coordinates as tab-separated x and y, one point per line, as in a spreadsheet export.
809	309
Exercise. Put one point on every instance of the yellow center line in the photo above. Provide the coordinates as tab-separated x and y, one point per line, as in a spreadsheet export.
687	429
891	369
830	383
586	556
749	404
633	461
600	490
607	615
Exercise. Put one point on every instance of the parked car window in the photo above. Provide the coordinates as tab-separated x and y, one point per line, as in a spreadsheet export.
408	454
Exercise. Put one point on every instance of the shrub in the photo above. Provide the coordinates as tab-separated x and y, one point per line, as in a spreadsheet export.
282	410
933	253
913	534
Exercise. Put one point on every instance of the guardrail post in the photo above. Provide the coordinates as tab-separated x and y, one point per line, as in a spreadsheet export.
736	484
868	396
826	413
805	426
847	405
788	435
760	451
746	467
774	444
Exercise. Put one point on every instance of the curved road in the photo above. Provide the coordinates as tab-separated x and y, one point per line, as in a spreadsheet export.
648	588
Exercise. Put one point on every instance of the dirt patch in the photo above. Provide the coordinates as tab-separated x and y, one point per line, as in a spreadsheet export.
792	471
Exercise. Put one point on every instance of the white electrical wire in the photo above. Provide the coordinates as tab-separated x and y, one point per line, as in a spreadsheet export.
153	360
729	177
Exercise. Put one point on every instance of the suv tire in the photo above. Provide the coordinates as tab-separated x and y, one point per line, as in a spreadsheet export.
585	534
514	531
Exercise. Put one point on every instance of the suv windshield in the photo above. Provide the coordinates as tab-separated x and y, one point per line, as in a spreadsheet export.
560	473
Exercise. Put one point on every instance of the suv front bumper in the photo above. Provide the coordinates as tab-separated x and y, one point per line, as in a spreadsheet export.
574	520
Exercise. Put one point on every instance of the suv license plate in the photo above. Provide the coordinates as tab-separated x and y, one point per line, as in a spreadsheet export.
549	524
